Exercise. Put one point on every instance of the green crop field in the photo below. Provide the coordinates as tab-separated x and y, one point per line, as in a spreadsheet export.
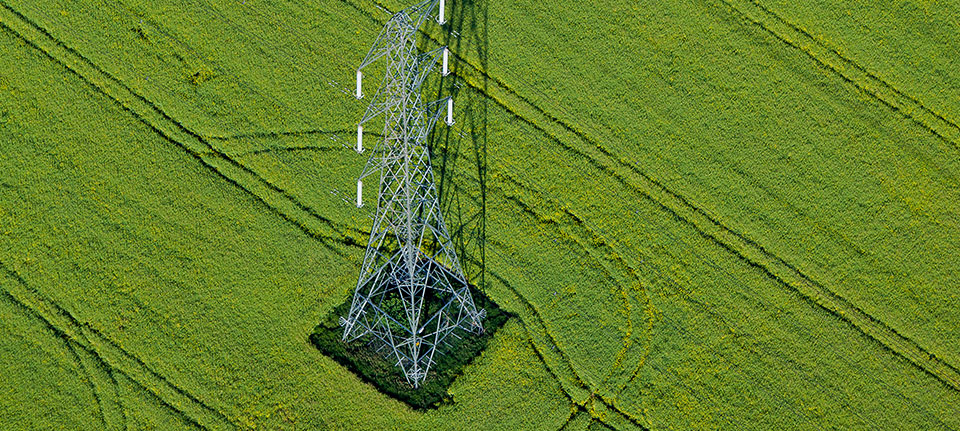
700	214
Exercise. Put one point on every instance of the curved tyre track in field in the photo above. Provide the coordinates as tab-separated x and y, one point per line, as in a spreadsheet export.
64	342
274	198
109	356
101	380
589	240
743	341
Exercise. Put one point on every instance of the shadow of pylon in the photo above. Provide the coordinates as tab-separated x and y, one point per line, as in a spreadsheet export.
459	153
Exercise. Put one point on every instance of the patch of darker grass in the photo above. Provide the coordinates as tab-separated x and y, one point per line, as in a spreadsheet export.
377	369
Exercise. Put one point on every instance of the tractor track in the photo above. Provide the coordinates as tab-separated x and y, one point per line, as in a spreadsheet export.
68	328
622	415
298	219
272	134
738	335
627	339
626	270
910	107
283	149
67	344
573	414
121	8
582	387
116	393
288	56
169	128
105	392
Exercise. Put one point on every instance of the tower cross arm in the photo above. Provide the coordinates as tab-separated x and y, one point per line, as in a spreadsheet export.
426	62
421	10
378	104
376	107
435	109
381	47
431	113
375	163
399	27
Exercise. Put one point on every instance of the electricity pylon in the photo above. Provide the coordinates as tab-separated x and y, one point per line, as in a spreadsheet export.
411	294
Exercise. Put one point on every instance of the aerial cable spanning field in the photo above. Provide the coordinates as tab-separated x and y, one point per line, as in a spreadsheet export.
411	295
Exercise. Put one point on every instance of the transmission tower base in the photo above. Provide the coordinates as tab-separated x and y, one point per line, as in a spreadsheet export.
373	366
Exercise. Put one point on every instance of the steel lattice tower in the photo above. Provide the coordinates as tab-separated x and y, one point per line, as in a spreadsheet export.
411	294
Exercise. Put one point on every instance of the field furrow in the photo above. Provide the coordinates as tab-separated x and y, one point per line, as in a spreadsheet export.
594	243
103	384
907	46
293	210
106	353
858	76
